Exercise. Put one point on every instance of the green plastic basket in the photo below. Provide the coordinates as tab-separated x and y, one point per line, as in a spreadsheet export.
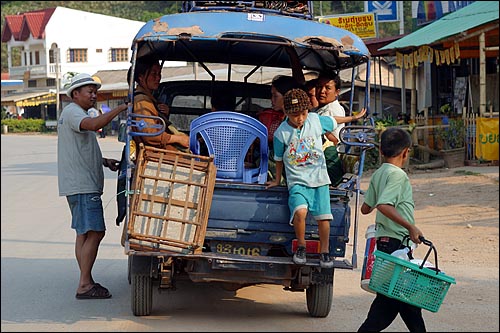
408	282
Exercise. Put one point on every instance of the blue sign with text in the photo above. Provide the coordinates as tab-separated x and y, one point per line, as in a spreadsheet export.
387	11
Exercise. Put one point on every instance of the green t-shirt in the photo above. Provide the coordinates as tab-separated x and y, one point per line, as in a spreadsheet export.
390	185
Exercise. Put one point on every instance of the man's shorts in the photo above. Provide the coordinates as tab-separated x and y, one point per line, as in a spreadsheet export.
86	212
315	199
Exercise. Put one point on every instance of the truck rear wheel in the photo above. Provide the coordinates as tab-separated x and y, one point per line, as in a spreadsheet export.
142	294
129	270
141	279
319	299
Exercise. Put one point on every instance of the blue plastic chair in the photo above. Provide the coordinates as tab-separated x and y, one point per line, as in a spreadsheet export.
228	136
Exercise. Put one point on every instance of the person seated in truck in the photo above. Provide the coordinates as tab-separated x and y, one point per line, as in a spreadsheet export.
273	117
298	148
147	77
223	99
310	89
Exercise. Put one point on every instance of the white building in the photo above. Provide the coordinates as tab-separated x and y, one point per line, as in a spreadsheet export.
86	43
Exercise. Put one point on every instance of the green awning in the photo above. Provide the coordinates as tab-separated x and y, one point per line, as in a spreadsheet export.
469	17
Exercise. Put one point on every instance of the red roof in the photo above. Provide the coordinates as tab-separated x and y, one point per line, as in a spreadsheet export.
12	27
23	25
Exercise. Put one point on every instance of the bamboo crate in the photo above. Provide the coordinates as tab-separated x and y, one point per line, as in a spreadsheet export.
173	194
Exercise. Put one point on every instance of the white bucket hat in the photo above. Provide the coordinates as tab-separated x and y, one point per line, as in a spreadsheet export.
80	80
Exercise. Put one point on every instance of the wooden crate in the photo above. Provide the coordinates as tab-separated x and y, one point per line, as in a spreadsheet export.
171	202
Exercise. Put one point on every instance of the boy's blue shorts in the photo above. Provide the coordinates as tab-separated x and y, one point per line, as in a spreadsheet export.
315	199
86	212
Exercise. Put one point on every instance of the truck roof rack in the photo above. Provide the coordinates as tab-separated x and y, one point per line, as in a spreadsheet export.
301	9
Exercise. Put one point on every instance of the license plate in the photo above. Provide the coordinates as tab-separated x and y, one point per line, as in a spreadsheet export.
237	248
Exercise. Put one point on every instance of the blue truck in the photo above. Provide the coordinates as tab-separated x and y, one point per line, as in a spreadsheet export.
248	239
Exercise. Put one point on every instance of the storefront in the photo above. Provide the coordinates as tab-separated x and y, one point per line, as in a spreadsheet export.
436	58
451	66
37	105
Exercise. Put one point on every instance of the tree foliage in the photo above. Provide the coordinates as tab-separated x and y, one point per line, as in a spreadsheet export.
147	10
132	10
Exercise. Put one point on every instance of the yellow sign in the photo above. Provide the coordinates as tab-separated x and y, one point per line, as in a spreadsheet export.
362	25
487	139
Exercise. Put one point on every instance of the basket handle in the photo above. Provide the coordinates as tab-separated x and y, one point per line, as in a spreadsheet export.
431	247
407	239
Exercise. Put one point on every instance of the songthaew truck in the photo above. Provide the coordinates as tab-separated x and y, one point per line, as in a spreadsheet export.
209	217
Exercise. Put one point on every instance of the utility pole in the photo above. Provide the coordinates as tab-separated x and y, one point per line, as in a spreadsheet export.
58	83
403	69
401	17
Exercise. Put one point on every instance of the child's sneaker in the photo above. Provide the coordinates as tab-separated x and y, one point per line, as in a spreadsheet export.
325	261
299	257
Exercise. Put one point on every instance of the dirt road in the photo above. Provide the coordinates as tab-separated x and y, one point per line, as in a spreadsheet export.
457	211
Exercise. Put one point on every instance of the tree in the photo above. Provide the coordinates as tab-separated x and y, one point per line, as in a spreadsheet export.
132	10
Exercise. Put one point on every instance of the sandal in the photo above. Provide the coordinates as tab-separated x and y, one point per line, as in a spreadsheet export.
96	292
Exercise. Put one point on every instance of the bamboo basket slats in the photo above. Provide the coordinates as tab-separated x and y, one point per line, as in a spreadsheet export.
173	194
174	202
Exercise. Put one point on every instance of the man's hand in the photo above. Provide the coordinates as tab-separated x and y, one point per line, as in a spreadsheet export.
110	163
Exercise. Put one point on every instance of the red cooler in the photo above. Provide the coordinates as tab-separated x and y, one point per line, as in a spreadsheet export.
371	245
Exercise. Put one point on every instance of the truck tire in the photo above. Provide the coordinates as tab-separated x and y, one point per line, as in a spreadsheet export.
129	270
142	294
319	299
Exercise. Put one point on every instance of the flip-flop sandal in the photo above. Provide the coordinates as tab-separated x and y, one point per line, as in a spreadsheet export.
100	286
96	292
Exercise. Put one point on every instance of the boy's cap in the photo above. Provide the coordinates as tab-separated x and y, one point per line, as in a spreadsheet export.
296	101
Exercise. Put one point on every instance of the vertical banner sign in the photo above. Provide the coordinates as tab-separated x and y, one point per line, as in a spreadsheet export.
386	11
429	11
362	24
487	139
